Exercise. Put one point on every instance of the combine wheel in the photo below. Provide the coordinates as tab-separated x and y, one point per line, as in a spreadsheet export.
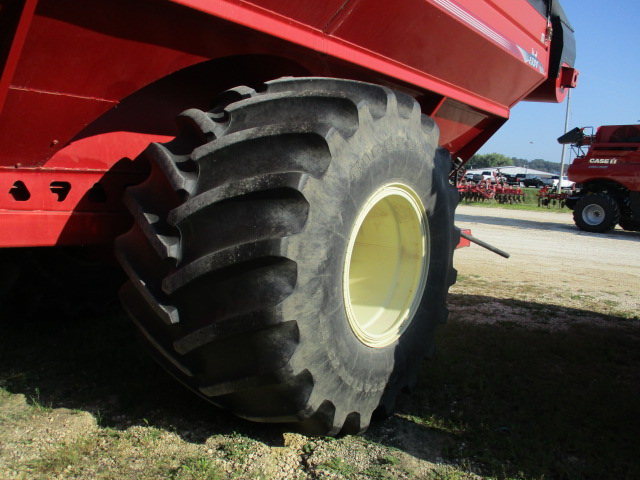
629	223
596	212
292	251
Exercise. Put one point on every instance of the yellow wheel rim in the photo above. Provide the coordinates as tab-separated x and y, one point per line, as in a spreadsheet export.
386	265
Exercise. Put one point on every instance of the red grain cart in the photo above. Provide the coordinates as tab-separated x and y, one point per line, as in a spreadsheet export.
274	175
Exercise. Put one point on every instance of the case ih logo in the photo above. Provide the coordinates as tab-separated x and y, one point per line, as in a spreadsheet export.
604	161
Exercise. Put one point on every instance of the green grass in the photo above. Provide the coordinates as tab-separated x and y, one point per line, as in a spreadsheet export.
386	469
36	402
62	457
339	466
236	448
200	468
449	473
530	203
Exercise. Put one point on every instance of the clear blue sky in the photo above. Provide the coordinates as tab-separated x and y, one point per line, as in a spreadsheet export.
608	93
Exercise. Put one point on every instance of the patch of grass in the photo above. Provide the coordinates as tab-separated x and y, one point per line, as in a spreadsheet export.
339	466
199	468
387	468
449	473
37	404
581	297
152	435
65	455
475	280
11	407
610	303
389	459
378	472
308	448
433	422
530	203
145	437
236	448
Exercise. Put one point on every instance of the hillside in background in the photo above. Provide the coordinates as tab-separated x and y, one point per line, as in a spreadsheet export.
499	160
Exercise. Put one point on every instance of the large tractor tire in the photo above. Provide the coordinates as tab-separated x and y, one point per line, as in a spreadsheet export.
596	212
292	251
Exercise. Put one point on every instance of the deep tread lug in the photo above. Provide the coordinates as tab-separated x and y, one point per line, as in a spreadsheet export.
180	180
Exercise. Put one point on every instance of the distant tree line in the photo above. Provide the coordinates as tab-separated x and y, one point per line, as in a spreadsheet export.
498	160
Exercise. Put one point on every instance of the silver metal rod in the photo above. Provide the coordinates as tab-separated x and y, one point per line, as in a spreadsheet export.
473	239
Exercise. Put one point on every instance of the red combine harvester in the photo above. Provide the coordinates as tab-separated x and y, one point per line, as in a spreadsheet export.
288	238
607	175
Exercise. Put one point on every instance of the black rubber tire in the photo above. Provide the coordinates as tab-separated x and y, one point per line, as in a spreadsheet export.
629	223
236	255
596	212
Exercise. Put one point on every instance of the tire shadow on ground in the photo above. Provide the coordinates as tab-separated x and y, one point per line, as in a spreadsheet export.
99	366
551	395
463	220
496	399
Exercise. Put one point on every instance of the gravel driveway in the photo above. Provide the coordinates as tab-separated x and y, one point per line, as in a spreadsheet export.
547	249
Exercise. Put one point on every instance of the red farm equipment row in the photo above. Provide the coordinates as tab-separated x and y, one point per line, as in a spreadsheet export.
549	196
485	190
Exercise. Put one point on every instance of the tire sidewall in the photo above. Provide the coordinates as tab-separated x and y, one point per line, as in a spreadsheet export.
608	221
381	152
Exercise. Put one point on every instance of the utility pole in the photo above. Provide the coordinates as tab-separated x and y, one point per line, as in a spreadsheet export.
564	147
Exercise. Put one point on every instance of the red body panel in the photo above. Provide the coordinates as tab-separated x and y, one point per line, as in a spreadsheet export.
464	242
86	84
610	157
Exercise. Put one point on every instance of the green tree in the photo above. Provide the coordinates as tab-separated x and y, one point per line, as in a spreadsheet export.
486	160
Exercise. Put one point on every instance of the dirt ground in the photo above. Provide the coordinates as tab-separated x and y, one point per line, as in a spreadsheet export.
126	419
551	257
